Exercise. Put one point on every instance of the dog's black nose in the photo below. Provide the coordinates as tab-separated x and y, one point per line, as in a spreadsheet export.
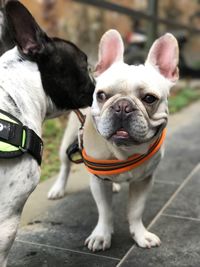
123	107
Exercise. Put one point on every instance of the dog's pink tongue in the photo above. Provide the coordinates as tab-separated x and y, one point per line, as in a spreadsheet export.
122	133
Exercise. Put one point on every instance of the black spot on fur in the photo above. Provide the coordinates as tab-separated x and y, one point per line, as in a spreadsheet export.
12	101
11	184
34	222
30	174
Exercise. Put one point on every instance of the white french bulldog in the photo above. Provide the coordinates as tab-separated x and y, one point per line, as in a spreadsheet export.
129	112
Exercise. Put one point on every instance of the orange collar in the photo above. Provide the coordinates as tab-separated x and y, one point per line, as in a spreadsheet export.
114	166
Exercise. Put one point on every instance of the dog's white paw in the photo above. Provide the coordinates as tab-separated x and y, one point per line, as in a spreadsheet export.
116	187
147	240
99	240
57	191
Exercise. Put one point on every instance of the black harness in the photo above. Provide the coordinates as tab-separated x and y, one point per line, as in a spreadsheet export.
17	139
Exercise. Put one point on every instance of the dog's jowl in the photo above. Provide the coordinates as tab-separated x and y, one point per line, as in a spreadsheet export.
124	133
40	77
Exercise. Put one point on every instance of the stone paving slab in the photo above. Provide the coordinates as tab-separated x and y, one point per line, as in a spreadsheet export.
64	229
187	204
180	246
36	255
177	229
182	153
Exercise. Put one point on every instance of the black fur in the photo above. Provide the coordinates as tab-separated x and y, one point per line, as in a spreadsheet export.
6	40
63	66
64	73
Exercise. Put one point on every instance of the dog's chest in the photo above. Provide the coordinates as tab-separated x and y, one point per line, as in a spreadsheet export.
139	173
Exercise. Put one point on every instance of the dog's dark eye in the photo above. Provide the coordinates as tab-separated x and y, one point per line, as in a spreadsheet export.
149	99
101	96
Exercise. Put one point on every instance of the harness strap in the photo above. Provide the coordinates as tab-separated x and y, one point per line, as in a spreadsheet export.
11	132
114	166
33	145
17	139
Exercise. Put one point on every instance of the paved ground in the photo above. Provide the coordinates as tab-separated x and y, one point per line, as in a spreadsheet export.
56	231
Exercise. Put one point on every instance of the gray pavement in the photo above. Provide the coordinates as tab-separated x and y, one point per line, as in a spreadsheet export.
52	233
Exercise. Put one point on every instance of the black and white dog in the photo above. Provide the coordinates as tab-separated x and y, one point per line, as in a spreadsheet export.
40	77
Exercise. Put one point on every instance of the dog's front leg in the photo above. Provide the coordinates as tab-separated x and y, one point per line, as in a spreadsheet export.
8	229
138	192
100	238
20	177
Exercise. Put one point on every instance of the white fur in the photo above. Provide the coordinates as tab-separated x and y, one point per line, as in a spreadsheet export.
100	238
137	198
16	79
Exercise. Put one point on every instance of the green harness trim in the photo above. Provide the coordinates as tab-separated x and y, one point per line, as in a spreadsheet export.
17	139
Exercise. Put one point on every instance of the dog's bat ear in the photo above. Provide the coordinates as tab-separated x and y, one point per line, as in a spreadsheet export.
164	55
111	50
28	35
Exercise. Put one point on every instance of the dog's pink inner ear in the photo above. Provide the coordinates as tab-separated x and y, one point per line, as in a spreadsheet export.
164	55
30	47
111	49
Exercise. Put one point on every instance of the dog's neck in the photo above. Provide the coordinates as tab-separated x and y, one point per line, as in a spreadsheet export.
21	90
99	148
